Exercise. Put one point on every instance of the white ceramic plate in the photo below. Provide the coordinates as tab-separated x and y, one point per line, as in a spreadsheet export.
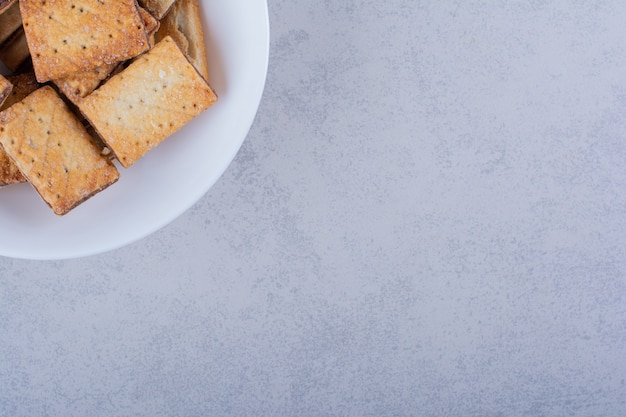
173	176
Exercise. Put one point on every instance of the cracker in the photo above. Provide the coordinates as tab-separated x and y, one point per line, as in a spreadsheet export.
10	21
5	89
23	85
184	25
81	84
147	102
70	36
158	8
14	53
54	151
151	24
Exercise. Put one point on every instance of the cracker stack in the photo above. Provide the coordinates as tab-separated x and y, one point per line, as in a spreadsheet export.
108	82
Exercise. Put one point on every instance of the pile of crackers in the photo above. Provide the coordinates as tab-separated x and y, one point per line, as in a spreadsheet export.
94	82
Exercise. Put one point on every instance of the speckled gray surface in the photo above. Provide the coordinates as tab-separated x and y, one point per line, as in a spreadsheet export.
427	219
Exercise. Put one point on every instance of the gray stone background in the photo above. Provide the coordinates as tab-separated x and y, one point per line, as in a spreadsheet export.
426	219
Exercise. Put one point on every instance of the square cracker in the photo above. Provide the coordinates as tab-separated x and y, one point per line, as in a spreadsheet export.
54	151
5	89
147	102
23	85
10	21
69	36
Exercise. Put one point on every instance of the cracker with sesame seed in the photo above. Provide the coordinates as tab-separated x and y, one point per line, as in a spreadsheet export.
147	102
70	36
54	151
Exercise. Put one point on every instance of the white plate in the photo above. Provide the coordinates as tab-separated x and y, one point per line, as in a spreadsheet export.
173	176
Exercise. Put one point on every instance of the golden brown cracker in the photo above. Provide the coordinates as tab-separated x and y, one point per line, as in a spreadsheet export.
70	36
148	101
184	24
54	151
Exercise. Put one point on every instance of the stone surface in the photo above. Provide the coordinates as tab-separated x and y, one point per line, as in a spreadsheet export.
426	219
